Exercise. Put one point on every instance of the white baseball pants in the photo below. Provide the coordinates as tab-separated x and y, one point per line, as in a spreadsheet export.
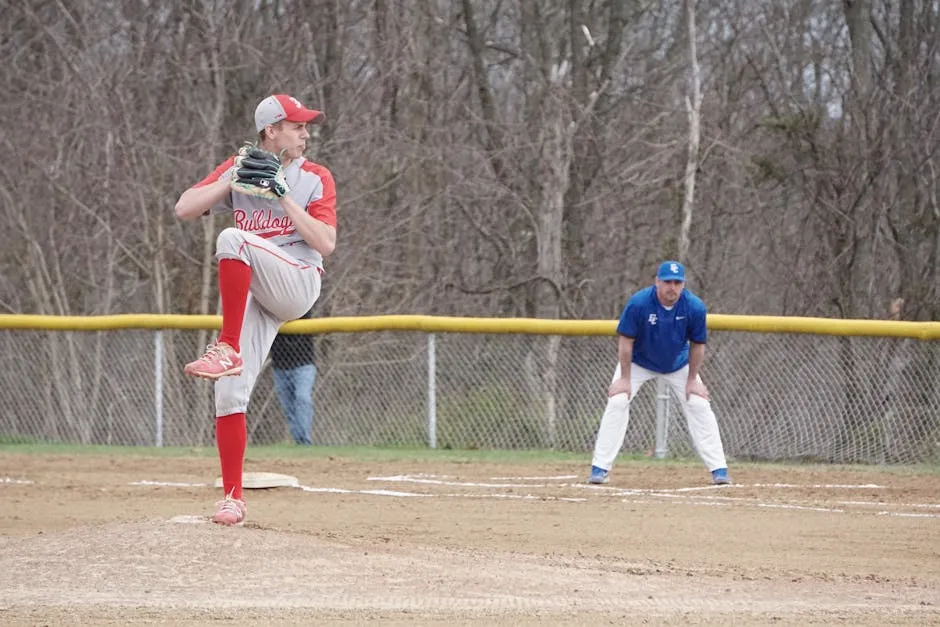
703	427
283	288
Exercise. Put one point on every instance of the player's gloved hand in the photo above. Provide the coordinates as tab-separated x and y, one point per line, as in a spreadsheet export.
259	173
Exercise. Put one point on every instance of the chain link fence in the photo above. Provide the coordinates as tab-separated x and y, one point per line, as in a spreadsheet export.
777	396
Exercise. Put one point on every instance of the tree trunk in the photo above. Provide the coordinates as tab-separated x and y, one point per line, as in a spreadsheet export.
693	104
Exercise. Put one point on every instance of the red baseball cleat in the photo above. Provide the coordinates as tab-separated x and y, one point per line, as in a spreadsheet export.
230	512
220	360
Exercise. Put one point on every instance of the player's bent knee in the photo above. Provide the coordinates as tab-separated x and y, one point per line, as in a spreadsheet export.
229	240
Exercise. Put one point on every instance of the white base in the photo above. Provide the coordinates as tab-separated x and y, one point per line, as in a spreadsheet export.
252	480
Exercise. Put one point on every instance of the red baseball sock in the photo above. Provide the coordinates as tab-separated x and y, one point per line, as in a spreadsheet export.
231	437
234	283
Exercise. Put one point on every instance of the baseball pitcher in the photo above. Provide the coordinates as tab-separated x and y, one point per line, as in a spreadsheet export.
270	265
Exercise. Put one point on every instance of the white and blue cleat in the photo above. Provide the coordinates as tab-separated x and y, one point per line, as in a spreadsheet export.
720	476
598	475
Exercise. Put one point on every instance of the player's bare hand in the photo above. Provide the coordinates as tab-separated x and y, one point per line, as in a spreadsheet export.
620	386
694	386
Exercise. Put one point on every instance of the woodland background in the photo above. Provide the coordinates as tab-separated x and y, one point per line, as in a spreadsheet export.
492	157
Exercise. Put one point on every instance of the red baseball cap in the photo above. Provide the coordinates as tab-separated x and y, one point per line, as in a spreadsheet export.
279	107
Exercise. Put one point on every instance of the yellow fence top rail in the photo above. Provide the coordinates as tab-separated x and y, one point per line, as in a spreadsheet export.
444	324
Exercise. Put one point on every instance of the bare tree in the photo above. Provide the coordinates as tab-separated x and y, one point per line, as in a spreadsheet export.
693	104
492	158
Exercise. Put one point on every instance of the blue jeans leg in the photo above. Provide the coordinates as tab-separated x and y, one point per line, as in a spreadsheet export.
295	390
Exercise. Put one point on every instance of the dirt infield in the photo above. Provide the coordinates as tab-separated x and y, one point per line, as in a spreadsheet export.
122	540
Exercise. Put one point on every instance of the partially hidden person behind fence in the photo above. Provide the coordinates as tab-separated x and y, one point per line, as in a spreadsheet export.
295	373
270	265
661	335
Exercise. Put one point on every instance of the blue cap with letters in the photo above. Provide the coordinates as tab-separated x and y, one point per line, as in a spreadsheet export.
671	271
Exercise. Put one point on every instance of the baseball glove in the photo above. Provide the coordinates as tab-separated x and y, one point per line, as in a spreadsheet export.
259	173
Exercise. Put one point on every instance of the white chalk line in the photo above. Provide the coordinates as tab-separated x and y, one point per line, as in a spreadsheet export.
679	495
751	504
398	493
800	507
169	484
189	519
907	515
791	506
833	486
521	497
862	486
880	504
555	478
655	495
671	493
428	479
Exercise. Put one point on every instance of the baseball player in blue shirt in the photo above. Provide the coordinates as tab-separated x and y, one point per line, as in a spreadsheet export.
662	334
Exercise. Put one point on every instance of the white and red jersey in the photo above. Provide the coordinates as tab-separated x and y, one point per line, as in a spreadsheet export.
311	186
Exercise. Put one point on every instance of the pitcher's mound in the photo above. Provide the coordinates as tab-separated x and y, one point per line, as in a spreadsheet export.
254	480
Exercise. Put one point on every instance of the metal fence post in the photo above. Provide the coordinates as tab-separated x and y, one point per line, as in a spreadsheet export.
432	390
158	385
662	419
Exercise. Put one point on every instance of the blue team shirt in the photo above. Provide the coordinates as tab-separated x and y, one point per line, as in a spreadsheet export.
661	336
